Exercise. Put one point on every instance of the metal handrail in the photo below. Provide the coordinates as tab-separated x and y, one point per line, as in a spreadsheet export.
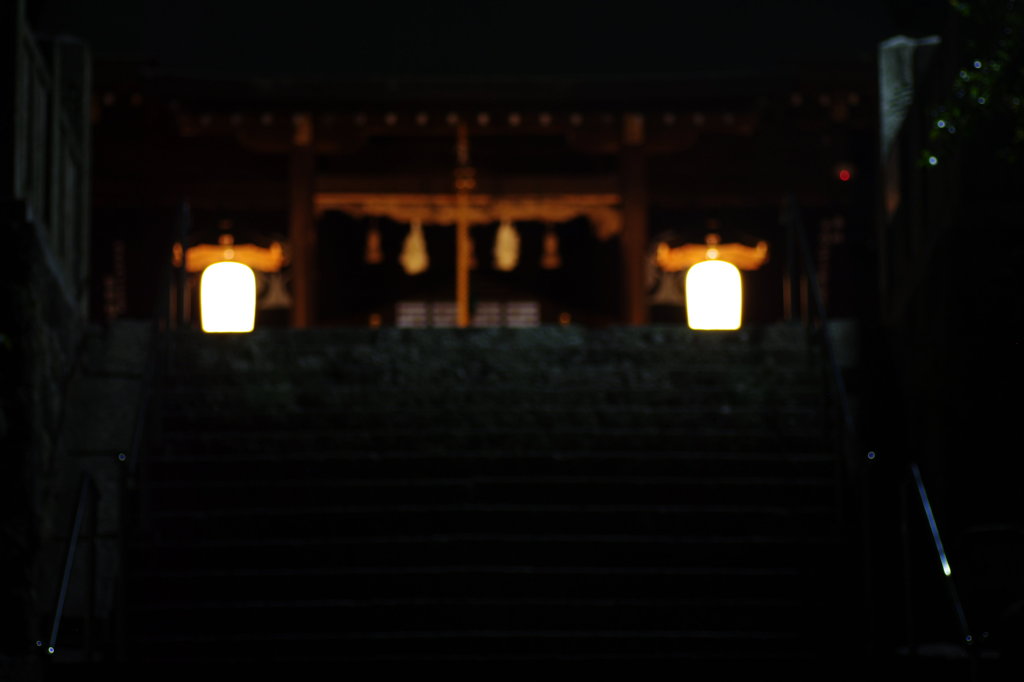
845	439
791	217
131	458
940	552
88	497
163	317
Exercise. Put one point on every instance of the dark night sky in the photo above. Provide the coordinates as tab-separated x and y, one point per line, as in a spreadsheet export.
529	38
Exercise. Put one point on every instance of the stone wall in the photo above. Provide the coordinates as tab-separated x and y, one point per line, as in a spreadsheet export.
44	186
41	328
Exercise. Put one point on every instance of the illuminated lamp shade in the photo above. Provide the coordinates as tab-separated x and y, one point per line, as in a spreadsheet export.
714	295
227	297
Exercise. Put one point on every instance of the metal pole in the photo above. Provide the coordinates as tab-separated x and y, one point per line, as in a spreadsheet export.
866	506
69	562
90	605
121	613
805	309
907	581
789	269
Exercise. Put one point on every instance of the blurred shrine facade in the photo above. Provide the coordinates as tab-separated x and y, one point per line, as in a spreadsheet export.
591	175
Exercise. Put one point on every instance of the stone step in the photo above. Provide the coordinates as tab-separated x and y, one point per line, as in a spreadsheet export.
382	520
485	549
492	494
292	395
456	371
243	465
487	417
328	345
182	580
324	344
261	615
786	439
453	374
571	490
728	652
496	366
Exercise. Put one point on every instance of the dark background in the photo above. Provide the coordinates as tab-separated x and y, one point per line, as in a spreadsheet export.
331	39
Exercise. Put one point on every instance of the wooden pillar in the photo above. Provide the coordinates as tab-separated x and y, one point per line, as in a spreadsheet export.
465	182
634	220
462	261
301	225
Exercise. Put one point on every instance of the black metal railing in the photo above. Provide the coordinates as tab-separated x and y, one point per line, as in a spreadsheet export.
86	506
802	296
132	479
915	483
47	179
131	488
131	504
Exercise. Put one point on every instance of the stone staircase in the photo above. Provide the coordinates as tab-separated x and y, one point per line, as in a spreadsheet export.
491	494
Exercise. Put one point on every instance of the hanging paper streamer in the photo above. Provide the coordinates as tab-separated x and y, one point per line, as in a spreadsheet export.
506	247
414	258
550	258
276	296
374	254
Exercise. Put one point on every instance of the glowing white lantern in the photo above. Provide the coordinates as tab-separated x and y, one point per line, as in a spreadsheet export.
227	297
714	295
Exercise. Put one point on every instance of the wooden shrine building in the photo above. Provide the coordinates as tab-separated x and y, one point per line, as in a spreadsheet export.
590	174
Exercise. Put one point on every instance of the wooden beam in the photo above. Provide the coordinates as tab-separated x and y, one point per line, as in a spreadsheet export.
498	185
302	228
602	210
326	201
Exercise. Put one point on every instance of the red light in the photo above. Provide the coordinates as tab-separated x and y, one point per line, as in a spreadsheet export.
844	175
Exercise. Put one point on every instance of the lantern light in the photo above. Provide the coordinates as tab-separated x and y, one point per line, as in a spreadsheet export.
227	297
714	296
714	288
227	286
